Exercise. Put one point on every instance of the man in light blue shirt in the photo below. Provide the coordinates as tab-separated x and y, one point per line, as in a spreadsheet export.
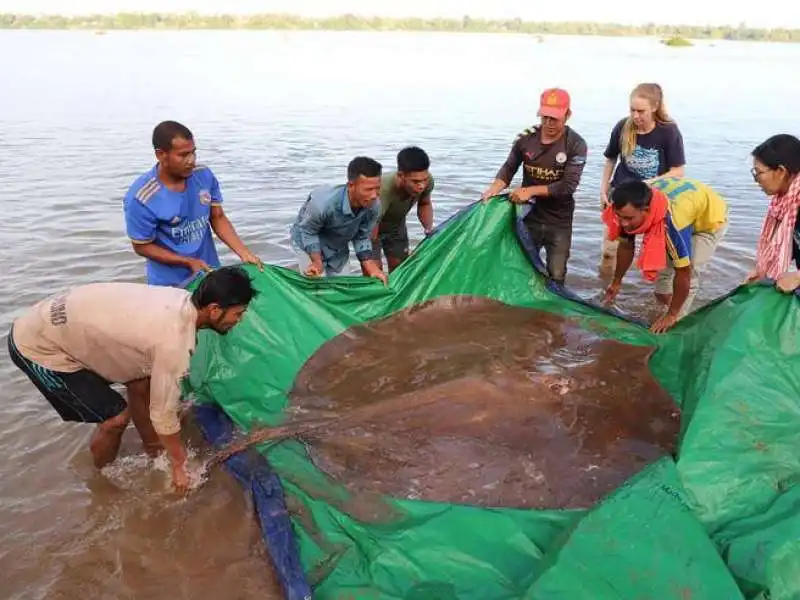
171	210
333	217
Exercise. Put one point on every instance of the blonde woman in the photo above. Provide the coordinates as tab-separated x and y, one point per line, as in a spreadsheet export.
644	146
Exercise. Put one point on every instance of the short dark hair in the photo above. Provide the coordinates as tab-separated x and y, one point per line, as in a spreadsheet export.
782	150
363	165
166	131
226	287
412	160
636	193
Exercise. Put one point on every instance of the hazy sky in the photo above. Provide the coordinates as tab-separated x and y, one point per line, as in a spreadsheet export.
776	13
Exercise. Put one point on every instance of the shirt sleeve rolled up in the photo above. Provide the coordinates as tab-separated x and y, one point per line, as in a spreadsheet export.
362	242
310	225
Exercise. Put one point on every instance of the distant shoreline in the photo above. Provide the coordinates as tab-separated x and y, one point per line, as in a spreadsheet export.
284	22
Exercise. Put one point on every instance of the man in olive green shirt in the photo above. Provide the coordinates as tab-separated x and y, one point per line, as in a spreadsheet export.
400	190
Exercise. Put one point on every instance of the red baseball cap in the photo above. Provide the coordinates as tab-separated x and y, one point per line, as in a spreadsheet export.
554	103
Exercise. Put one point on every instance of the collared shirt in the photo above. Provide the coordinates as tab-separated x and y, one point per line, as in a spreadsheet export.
122	332
693	208
327	224
178	221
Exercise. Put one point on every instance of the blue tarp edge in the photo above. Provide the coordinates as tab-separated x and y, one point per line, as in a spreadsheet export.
262	484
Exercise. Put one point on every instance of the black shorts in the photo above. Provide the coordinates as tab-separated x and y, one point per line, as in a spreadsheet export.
82	396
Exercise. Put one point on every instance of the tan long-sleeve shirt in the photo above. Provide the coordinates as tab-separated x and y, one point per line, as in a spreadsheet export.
122	332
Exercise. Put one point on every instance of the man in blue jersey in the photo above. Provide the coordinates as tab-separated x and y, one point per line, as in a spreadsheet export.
171	210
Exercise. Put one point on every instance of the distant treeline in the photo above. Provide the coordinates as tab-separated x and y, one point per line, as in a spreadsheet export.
356	23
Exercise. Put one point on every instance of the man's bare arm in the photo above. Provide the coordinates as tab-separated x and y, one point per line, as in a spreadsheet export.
425	213
158	253
222	226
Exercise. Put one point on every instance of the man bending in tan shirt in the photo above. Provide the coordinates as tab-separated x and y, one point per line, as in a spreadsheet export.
73	345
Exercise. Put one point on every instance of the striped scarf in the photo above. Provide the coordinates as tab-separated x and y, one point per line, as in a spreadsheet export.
776	242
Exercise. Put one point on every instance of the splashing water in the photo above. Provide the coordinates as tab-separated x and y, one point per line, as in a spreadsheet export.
139	471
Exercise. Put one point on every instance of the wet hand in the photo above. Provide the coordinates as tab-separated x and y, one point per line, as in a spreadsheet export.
180	478
604	201
250	258
313	270
520	195
612	291
378	274
751	277
664	323
788	282
196	265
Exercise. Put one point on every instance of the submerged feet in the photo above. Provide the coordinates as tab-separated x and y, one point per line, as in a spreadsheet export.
106	440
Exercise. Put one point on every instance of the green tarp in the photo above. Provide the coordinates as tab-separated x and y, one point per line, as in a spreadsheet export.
720	523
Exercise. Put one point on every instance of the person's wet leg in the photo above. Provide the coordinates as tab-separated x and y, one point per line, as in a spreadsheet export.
395	246
608	249
107	438
663	287
394	261
139	407
704	246
537	238
557	245
608	254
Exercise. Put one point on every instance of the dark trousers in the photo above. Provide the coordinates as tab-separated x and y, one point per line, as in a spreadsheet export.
556	241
